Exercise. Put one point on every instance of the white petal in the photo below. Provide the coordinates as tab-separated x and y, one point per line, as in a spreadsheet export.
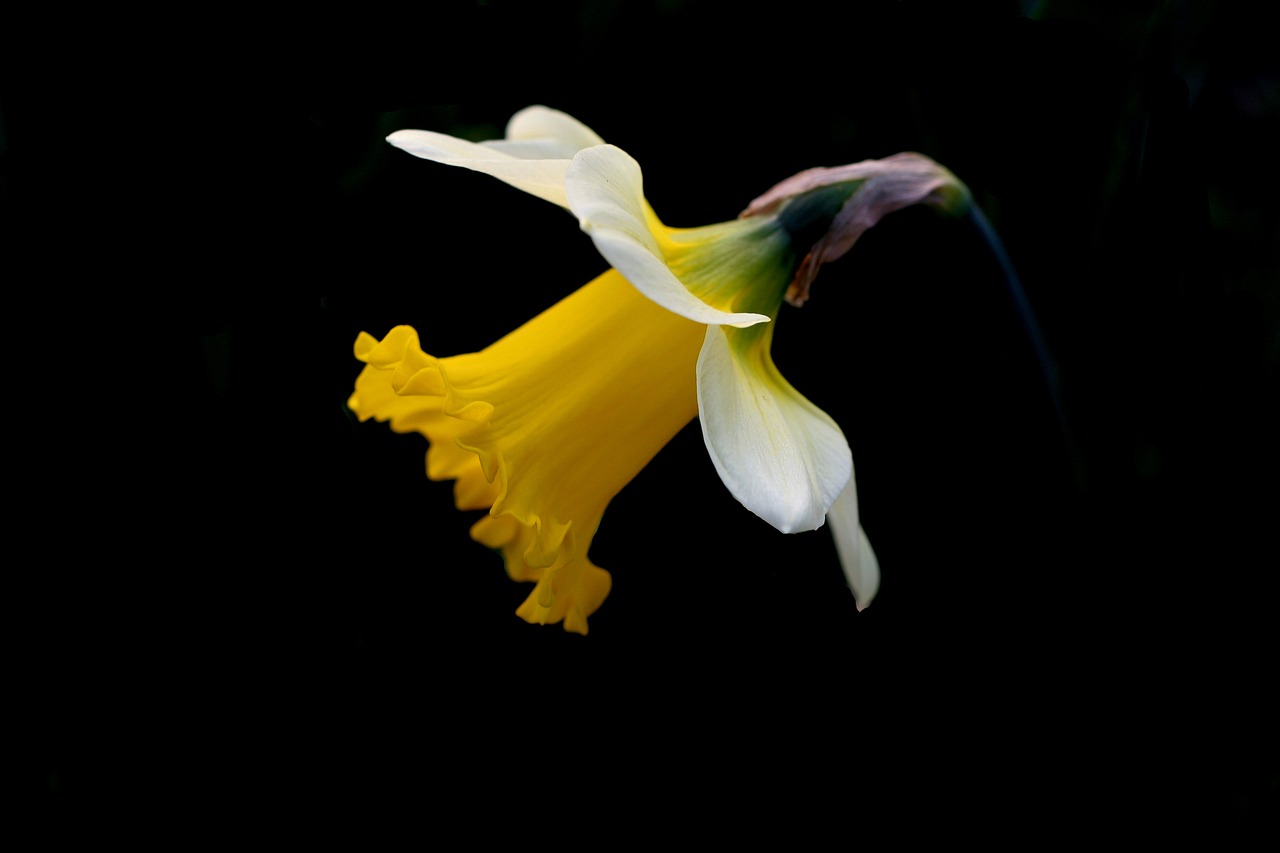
543	178
543	123
605	189
533	157
861	568
784	458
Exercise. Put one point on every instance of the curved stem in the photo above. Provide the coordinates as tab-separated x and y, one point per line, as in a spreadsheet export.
1044	358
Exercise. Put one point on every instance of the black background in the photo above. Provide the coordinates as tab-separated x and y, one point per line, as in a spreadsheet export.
253	602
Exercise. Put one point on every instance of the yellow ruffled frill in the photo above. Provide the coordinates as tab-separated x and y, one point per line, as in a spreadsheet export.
543	427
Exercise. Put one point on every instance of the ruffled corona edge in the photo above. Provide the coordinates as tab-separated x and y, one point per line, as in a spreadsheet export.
409	389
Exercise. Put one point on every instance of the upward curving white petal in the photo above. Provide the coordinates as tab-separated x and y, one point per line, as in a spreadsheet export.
784	458
539	123
605	189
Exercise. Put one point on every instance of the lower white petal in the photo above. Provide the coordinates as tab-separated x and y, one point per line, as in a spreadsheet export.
784	458
861	568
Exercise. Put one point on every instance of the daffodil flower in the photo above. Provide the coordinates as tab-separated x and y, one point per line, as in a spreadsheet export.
545	426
